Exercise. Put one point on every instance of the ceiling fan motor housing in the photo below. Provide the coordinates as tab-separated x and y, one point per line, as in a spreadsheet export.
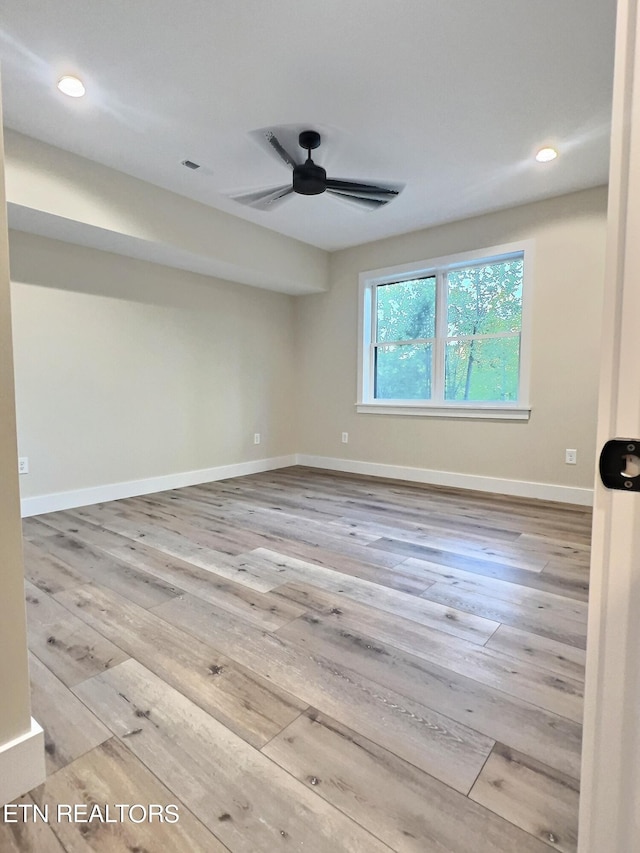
309	179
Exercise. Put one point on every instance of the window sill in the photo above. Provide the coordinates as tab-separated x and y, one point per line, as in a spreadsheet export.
507	413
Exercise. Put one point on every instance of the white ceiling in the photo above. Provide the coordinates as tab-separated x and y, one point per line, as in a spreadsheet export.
452	97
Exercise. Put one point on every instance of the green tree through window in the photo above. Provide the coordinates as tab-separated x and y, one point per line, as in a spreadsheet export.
484	317
453	335
405	325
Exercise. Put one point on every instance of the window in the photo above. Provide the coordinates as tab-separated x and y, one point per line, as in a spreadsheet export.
448	337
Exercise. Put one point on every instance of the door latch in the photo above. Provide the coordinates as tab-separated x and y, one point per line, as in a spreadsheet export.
620	464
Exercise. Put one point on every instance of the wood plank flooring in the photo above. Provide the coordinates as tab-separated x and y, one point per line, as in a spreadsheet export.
304	660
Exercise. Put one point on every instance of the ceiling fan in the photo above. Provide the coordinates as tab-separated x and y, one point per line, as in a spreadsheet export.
311	179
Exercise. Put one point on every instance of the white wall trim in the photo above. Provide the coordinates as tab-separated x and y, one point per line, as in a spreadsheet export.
517	488
22	766
114	491
480	412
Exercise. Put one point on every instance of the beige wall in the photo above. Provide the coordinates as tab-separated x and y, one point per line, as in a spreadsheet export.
569	234
128	370
15	714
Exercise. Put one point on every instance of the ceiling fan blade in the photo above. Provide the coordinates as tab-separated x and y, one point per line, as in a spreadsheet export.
263	199
361	200
365	189
282	153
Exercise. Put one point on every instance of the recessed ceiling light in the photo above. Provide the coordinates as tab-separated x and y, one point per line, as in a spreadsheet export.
71	86
546	155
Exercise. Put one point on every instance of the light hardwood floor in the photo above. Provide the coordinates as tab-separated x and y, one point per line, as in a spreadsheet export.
304	660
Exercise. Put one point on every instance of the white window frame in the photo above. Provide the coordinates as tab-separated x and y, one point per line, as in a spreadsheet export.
369	280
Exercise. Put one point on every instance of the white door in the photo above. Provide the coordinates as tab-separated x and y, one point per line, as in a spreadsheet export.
610	799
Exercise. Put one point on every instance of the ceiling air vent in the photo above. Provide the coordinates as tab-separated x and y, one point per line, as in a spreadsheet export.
190	164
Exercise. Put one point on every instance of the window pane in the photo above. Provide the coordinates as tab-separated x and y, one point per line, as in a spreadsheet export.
406	310
483	370
485	300
403	372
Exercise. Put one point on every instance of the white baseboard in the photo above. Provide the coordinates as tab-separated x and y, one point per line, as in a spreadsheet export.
517	488
115	491
22	765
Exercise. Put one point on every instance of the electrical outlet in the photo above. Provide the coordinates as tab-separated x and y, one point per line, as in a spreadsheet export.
23	465
571	457
256	438
345	437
